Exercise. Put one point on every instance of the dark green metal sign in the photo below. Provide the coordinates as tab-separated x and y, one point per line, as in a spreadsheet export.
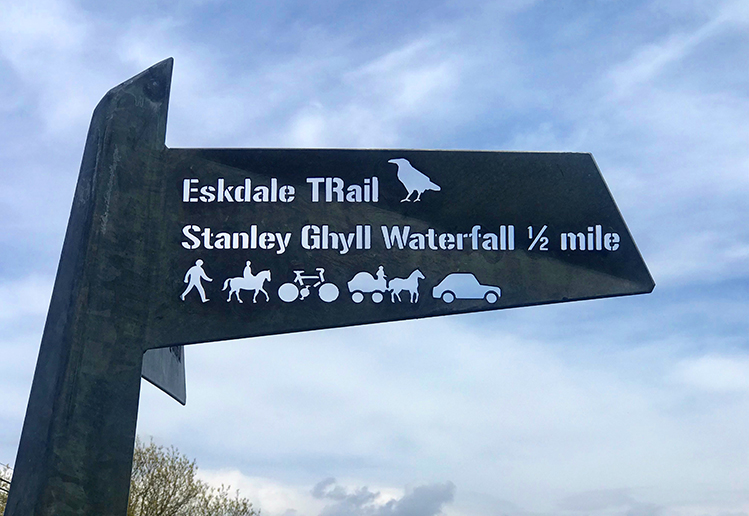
167	247
261	241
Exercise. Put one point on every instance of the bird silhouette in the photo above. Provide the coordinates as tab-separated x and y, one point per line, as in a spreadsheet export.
412	179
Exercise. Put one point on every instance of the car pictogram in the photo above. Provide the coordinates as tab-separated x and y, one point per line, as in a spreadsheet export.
464	285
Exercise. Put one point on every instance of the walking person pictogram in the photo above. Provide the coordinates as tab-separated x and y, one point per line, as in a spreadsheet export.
193	277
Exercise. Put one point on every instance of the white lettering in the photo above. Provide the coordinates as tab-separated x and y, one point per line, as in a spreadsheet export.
220	191
593	240
207	194
475	234
336	190
311	237
283	240
611	241
267	240
447	241
262	194
315	237
223	241
209	239
194	241
395	236
286	193
188	190
315	182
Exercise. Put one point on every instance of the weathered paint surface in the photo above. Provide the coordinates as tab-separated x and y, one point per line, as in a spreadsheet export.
167	247
76	448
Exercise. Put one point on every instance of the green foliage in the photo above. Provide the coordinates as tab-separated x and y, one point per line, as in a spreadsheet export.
164	483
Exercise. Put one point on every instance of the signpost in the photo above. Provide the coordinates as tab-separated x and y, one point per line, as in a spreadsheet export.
167	247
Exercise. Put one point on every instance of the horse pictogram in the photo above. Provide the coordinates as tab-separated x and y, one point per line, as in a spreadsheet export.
247	281
410	284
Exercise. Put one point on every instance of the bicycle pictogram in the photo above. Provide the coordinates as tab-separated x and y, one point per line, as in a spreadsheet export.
303	284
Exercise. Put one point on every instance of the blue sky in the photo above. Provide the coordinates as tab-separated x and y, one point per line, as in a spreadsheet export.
632	406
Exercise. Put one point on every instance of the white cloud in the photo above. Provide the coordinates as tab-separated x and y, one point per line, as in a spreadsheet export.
426	500
522	410
434	396
352	125
29	30
27	296
23	305
704	255
272	497
330	497
715	373
602	500
49	45
415	78
145	42
650	60
368	106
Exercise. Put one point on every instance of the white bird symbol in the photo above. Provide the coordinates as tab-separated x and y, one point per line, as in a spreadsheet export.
412	179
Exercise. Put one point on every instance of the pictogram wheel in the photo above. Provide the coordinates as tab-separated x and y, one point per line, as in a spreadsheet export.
288	292
448	297
328	292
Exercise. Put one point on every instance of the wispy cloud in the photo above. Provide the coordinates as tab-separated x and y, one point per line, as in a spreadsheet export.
650	60
622	406
602	501
329	497
426	500
440	395
28	296
715	373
